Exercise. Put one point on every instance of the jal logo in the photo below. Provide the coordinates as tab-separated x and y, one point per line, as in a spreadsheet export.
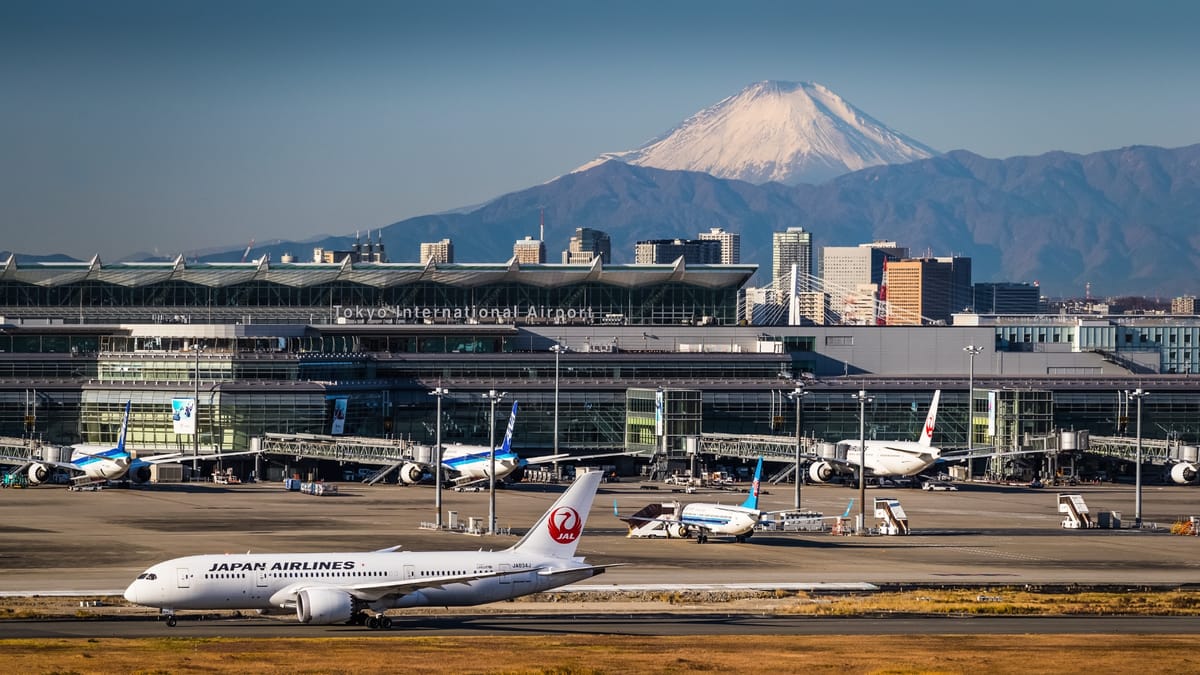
564	524
928	429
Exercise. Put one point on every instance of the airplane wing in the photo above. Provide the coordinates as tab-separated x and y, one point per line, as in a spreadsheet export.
181	457
375	591
565	457
845	514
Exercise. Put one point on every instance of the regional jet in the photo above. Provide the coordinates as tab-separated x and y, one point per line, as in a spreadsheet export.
358	587
699	518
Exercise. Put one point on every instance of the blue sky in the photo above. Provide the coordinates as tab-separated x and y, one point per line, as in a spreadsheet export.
180	125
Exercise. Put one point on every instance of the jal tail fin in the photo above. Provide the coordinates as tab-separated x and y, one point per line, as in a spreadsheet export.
124	428
506	446
927	432
557	532
752	500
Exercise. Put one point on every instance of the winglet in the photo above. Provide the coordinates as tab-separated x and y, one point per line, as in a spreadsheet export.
615	512
557	532
927	432
752	500
848	507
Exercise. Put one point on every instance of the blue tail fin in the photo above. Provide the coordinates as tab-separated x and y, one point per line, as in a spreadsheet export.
752	500
506	446
124	428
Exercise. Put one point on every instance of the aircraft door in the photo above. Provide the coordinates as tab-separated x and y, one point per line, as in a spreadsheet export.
410	571
260	578
184	577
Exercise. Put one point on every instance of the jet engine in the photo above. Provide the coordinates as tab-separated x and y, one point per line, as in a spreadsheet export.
324	606
679	530
38	473
1184	473
139	473
411	473
821	472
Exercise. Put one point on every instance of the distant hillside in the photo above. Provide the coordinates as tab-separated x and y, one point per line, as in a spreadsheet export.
1126	220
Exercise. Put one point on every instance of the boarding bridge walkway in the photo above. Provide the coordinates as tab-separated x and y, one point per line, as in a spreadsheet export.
357	449
1154	450
770	448
23	447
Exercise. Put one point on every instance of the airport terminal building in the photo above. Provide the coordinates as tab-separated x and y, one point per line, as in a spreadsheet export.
280	348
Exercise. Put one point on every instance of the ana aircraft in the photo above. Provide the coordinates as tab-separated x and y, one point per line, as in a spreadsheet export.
883	458
357	587
98	463
699	518
469	463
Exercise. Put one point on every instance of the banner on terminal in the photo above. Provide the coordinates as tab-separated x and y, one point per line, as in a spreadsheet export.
339	417
183	415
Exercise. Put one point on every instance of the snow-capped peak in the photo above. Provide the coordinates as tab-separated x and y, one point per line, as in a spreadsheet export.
789	132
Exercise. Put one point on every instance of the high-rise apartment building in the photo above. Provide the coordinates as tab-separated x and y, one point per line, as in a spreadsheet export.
437	252
793	247
586	245
1007	298
665	251
529	251
731	244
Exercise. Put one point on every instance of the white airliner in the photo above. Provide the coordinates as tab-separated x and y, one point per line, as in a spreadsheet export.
98	463
883	458
469	463
699	518
357	587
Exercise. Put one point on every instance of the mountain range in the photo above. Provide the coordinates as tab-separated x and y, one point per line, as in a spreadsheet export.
1124	220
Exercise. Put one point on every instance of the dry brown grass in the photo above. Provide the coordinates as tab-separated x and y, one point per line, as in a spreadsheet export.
609	654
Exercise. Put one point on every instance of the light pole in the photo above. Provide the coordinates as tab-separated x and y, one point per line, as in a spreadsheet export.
796	395
972	351
492	396
196	410
1137	395
558	349
862	399
437	456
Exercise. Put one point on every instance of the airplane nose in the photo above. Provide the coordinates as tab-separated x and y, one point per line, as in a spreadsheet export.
132	594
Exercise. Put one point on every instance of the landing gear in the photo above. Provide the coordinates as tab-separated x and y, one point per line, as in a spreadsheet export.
378	622
701	538
171	621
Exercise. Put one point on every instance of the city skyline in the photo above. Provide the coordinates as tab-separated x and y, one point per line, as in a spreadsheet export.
173	127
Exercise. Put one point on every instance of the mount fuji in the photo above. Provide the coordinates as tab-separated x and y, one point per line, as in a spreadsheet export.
771	131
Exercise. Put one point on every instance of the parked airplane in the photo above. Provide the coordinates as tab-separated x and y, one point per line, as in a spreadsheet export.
883	458
97	463
699	518
329	588
469	463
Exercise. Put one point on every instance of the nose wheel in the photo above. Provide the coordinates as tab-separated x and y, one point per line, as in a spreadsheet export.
171	621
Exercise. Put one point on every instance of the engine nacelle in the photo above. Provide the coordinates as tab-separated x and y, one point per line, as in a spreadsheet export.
411	473
138	473
324	606
38	473
679	530
821	472
1184	473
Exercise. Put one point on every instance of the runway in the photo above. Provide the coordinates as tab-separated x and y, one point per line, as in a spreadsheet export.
630	624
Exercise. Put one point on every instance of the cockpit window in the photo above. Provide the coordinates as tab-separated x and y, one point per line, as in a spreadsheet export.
148	576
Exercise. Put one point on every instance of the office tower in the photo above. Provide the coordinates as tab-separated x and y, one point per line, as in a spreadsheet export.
437	252
731	244
793	247
852	277
1009	298
665	251
919	289
529	251
586	245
